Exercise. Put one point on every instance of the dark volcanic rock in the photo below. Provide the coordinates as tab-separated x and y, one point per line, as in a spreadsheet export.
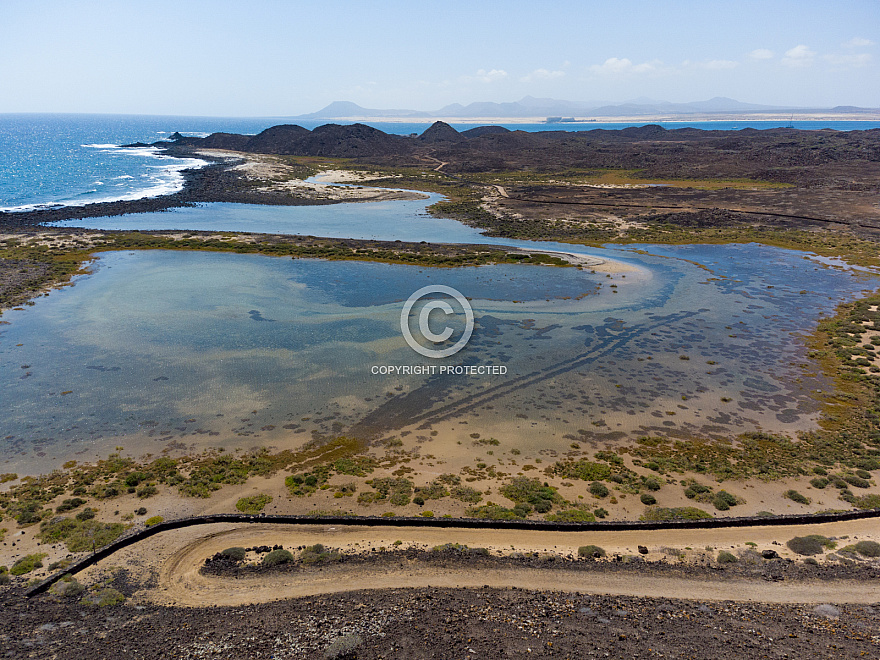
355	141
231	141
441	132
284	139
438	623
484	130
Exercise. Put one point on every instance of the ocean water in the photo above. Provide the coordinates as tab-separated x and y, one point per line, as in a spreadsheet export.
75	159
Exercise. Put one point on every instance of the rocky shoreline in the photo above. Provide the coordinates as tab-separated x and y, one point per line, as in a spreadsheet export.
213	183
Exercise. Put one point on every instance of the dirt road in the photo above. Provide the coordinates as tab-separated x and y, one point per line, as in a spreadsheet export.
180	582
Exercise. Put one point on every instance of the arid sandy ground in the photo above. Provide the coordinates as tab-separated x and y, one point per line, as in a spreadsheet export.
273	175
176	557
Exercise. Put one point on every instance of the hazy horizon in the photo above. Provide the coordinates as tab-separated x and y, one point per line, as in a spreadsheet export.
282	59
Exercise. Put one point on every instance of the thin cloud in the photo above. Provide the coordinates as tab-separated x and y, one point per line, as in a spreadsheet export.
484	76
855	60
858	42
799	56
541	74
615	66
762	54
717	65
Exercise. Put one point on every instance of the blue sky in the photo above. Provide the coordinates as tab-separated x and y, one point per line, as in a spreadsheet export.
273	58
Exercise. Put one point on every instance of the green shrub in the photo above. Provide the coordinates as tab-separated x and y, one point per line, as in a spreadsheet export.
80	535
433	491
652	483
572	515
106	597
28	564
67	587
397	491
582	469
648	499
253	504
599	490
722	500
695	489
523	490
591	551
354	466
856	481
725	557
449	547
147	491
315	554
795	496
399	498
86	514
601	513
864	548
522	510
153	520
277	557
70	504
496	512
28	513
466	494
870	501
658	513
236	553
813	544
819	482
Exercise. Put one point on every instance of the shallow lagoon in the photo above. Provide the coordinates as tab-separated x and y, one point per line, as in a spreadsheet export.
175	350
165	349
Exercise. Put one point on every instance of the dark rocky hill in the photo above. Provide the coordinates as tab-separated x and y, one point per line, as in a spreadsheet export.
332	140
440	131
779	154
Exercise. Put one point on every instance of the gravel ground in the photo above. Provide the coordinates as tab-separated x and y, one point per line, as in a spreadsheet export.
440	623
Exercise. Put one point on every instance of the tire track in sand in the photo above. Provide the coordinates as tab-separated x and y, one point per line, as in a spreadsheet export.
181	584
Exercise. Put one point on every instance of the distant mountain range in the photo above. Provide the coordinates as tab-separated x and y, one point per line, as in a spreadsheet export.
530	106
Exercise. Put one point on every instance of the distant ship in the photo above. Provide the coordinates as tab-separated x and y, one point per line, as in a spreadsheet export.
566	120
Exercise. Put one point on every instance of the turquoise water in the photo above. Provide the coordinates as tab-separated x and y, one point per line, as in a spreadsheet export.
175	350
394	220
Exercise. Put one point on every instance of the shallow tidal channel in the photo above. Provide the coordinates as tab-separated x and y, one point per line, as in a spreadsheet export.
180	350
